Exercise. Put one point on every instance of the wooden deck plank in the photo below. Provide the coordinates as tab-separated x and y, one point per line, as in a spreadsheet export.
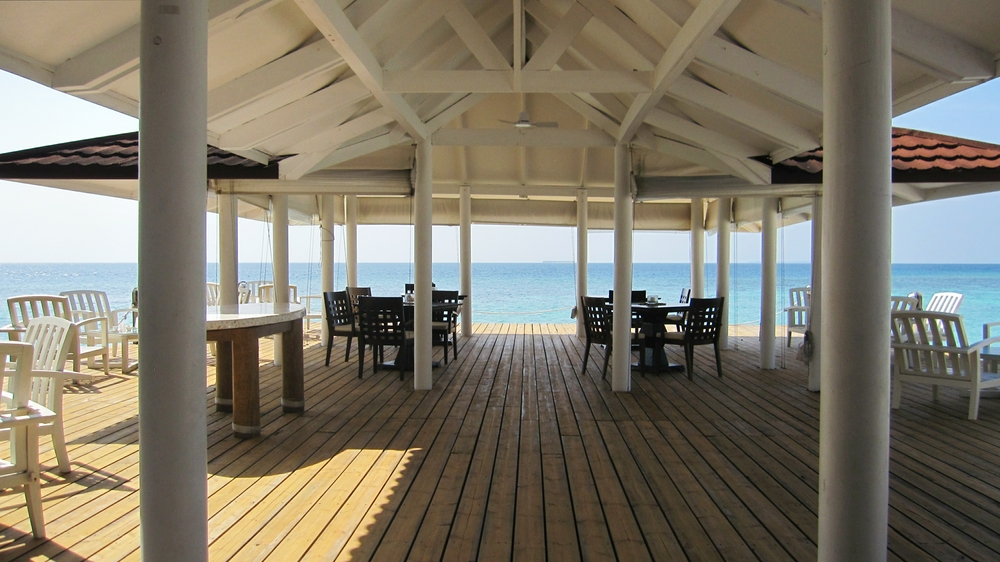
515	454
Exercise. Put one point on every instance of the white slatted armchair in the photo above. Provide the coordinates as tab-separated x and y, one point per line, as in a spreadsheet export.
932	348
90	333
86	304
944	302
797	311
21	419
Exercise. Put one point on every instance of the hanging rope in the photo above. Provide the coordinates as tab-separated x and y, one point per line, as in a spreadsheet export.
783	287
735	287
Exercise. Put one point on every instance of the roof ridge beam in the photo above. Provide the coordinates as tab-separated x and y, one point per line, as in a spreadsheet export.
330	19
703	23
475	38
531	137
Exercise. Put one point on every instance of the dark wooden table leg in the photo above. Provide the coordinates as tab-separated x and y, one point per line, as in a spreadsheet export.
224	376
246	385
293	394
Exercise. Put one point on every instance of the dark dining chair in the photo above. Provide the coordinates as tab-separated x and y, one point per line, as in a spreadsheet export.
381	324
444	322
701	326
677	318
637	297
339	321
408	287
597	323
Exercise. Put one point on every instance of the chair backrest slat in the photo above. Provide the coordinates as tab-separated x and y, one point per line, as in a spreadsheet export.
597	319
703	320
944	302
25	307
381	320
941	339
338	309
903	303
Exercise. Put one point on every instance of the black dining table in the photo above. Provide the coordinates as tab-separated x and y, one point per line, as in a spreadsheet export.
408	320
652	317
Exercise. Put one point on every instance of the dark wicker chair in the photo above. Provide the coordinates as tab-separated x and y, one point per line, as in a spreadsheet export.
444	322
701	327
339	321
381	324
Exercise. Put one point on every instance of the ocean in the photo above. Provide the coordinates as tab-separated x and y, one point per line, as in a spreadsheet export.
533	292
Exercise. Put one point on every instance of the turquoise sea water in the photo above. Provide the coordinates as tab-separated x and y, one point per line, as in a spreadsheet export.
533	292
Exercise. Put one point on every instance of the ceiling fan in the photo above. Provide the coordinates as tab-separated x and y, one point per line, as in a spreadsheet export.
524	122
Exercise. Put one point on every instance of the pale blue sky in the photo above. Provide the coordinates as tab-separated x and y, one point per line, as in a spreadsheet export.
51	225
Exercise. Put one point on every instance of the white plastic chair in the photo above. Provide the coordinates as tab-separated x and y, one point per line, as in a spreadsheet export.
798	312
901	304
20	419
90	332
944	302
211	294
265	293
95	304
51	338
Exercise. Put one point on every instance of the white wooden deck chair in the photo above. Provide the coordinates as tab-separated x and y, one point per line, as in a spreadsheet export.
931	348
211	294
798	311
944	302
21	418
249	291
51	337
95	304
900	304
90	334
265	293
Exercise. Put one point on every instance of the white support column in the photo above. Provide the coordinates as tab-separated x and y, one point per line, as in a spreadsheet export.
816	296
279	236
723	209
854	402
173	504
423	209
465	256
697	247
351	238
327	248
768	281
621	360
228	247
582	256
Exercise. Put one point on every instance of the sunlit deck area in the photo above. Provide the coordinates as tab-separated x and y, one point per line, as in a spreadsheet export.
515	454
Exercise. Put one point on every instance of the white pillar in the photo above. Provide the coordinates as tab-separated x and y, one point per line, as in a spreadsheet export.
768	280
465	255
279	237
854	402
327	248
423	208
621	360
816	296
697	247
173	505
228	248
723	209
582	256
351	238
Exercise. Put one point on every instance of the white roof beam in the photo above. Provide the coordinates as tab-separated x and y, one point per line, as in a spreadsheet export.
297	166
591	113
520	46
771	126
329	18
95	69
405	27
501	81
703	23
331	139
624	27
298	65
534	136
456	110
571	24
440	49
909	192
476	39
289	141
645	138
25	66
313	106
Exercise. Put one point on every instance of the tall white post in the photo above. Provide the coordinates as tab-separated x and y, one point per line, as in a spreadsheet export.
351	238
279	237
423	209
816	296
854	402
582	255
228	248
327	258
723	208
621	360
465	255
173	504
697	247
768	281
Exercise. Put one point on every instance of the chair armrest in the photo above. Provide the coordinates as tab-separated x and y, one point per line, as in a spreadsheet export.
943	348
62	376
34	414
797	308
984	343
96	320
987	327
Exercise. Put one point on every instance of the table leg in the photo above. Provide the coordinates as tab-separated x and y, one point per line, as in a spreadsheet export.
246	385
293	393
224	376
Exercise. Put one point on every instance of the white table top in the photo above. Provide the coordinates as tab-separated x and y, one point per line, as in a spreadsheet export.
250	315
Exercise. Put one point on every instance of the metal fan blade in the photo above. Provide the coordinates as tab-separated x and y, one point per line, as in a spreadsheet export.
507	122
550	124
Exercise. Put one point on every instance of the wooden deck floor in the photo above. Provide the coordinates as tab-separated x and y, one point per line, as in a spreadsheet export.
514	455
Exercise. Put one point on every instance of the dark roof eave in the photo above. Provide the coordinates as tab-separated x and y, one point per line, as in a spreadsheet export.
77	172
788	175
